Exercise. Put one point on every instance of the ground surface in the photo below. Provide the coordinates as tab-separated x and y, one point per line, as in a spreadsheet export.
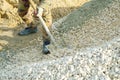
94	24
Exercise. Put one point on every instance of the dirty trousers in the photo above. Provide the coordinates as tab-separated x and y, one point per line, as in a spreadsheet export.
32	21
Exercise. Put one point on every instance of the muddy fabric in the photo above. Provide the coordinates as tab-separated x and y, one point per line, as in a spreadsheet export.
23	9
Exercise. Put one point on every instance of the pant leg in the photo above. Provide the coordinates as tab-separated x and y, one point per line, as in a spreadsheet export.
23	9
47	17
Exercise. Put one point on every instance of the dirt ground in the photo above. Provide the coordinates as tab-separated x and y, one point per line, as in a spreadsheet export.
9	19
93	24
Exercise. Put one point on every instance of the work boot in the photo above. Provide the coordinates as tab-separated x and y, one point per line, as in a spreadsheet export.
27	31
45	47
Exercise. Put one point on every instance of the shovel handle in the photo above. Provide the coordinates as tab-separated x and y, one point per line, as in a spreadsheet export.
43	22
46	28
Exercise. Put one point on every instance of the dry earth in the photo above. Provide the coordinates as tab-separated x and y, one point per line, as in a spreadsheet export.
87	41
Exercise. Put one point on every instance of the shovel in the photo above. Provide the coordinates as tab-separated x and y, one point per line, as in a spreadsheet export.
43	22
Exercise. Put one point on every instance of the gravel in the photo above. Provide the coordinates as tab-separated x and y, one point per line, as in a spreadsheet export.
88	48
92	63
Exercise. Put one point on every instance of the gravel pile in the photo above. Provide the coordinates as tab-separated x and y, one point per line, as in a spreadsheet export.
93	63
88	43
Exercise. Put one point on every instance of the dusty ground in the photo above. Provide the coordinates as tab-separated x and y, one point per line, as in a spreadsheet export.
10	20
94	23
9	39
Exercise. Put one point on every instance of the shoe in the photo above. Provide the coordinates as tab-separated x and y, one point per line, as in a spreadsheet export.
27	31
45	47
45	50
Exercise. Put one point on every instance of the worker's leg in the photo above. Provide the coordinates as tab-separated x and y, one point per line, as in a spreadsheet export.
23	7
23	11
46	39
